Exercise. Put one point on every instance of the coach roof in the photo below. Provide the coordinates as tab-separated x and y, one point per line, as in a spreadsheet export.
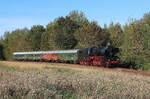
45	52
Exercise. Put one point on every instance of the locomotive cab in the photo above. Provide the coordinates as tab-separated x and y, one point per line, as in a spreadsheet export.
104	56
90	56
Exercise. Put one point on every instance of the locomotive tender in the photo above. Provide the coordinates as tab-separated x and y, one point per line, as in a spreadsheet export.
95	56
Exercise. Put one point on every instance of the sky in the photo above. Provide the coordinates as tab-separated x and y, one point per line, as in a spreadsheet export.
16	14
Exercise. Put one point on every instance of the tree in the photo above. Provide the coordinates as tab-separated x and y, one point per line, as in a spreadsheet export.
64	29
145	26
35	35
90	34
48	38
116	34
146	29
1	50
15	41
133	47
78	17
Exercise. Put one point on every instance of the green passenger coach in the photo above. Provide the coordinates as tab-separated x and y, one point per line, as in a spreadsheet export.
59	56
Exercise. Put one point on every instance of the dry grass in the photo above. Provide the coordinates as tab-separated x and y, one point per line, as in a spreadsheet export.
48	81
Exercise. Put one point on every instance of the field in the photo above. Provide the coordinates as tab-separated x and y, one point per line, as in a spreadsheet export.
31	80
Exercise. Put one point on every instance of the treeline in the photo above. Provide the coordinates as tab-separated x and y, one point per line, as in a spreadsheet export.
76	31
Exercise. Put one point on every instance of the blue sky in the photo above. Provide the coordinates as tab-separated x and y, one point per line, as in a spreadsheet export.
25	13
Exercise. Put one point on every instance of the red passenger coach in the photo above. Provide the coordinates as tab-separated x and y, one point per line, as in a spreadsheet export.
50	57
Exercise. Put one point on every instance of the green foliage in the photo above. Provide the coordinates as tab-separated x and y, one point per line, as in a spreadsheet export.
1	50
135	45
91	34
78	17
35	36
64	29
47	39
144	66
116	34
15	41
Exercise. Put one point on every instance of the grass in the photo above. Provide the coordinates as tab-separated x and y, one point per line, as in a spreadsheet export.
26	80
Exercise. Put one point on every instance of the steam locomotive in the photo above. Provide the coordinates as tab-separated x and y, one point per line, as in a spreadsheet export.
94	56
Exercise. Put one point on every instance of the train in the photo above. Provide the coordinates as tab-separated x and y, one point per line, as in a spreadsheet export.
94	56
